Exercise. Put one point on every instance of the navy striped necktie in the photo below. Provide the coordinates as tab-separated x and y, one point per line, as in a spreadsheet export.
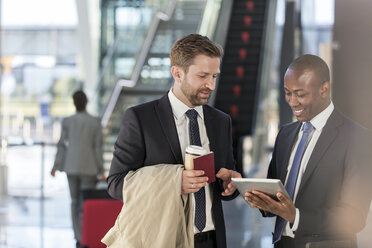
200	215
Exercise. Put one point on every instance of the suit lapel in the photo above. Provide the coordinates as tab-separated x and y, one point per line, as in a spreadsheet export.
289	141
211	132
326	138
165	114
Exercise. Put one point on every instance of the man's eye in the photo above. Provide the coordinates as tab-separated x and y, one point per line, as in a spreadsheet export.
300	96
202	76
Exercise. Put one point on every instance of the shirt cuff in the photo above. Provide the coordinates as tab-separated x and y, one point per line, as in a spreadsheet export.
296	221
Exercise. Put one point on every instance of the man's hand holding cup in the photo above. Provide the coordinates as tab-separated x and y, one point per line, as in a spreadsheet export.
193	180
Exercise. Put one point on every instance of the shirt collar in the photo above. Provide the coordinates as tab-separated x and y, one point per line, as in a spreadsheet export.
179	108
320	119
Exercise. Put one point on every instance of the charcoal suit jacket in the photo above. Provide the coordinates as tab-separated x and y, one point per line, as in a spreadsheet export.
148	136
335	192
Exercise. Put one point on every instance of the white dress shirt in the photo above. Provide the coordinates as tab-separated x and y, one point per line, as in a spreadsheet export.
318	123
182	124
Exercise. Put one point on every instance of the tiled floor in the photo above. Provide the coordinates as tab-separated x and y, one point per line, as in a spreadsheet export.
28	221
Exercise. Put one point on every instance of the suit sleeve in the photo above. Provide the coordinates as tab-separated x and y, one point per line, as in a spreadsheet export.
128	154
61	148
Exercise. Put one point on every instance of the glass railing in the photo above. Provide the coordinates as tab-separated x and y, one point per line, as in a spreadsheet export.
127	68
154	78
125	31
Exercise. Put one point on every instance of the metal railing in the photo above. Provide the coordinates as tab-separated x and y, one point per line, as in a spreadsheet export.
42	145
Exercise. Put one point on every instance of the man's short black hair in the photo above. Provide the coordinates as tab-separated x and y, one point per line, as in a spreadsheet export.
313	63
80	100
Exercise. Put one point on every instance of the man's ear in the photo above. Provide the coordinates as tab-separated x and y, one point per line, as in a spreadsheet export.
325	89
177	73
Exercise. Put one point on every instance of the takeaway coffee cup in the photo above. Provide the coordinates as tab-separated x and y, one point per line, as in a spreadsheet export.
191	153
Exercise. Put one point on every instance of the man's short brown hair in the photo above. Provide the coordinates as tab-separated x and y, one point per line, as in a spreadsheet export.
185	49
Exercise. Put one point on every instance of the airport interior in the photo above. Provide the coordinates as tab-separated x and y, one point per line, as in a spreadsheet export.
117	51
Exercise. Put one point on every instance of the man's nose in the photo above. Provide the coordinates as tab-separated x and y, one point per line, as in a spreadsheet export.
292	101
211	84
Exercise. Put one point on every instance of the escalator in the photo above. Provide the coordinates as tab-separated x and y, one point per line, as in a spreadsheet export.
238	87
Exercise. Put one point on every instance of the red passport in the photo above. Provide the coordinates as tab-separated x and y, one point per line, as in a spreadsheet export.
206	163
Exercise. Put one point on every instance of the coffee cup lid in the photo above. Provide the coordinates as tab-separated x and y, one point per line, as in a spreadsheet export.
196	150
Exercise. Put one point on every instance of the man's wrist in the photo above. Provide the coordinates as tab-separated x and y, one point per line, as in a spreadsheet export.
296	221
292	217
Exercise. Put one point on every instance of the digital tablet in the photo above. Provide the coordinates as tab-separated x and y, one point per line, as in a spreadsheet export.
269	186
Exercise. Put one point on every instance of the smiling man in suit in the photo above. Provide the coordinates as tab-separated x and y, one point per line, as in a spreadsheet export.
324	162
158	132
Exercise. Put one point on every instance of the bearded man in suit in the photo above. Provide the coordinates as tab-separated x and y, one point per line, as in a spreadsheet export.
158	132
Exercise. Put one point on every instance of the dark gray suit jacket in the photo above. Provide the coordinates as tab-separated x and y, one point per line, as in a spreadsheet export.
148	136
335	191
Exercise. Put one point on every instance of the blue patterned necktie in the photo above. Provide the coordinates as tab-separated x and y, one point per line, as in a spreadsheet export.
292	178
200	217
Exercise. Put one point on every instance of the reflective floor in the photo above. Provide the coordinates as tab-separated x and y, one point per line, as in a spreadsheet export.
30	221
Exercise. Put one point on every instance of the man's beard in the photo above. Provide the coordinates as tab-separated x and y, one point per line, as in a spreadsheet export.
197	101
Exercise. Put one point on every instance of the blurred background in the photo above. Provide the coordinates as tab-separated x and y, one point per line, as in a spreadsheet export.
118	52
